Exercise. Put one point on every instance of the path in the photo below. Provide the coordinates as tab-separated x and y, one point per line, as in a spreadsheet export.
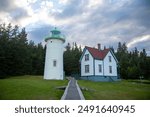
72	91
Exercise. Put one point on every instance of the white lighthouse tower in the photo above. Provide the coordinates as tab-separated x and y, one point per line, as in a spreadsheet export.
54	55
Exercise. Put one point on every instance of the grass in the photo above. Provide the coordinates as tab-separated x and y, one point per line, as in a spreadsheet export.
123	90
35	88
30	88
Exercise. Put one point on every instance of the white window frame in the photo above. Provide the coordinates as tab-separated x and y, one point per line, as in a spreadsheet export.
110	69
100	68
86	57
87	68
109	57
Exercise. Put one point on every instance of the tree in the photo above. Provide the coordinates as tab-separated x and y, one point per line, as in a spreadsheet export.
122	56
17	56
144	64
133	64
71	59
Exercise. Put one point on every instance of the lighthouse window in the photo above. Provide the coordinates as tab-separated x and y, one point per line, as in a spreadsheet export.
54	63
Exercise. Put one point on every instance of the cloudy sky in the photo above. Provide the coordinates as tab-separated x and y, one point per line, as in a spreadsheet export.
86	22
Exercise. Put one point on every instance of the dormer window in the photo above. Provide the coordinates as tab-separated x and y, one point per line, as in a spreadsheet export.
86	57
109	58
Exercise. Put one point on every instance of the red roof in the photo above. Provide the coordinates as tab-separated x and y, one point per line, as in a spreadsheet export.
97	54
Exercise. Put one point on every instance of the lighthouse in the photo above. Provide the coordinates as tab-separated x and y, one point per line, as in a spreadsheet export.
54	55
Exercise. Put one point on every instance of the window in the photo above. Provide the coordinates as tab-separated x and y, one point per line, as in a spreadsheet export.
54	63
86	68
109	58
86	57
110	69
100	68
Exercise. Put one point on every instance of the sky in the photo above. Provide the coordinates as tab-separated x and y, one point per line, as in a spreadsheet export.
86	22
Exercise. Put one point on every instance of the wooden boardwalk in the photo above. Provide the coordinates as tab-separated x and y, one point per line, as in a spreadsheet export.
72	91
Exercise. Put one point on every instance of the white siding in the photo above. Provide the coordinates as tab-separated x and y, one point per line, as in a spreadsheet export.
97	62
107	64
89	62
54	52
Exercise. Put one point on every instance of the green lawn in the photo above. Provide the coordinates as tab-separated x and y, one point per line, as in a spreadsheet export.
123	90
35	88
30	88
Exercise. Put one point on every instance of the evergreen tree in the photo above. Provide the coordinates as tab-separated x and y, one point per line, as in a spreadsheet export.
122	56
144	64
133	64
17	56
71	59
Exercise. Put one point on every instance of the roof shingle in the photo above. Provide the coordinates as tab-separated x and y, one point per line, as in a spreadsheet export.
97	54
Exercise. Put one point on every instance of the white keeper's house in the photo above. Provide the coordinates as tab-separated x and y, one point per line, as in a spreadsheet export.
98	64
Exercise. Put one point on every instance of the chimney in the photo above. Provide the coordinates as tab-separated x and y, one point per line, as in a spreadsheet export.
99	46
104	47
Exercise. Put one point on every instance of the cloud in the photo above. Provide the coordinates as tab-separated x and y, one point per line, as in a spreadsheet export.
71	9
86	22
46	4
12	11
19	14
118	24
108	22
63	1
6	5
38	33
31	1
138	40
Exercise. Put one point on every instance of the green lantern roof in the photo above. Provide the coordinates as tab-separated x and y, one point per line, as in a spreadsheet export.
55	34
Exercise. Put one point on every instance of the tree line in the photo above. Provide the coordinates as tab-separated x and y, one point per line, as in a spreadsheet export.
18	56
133	64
